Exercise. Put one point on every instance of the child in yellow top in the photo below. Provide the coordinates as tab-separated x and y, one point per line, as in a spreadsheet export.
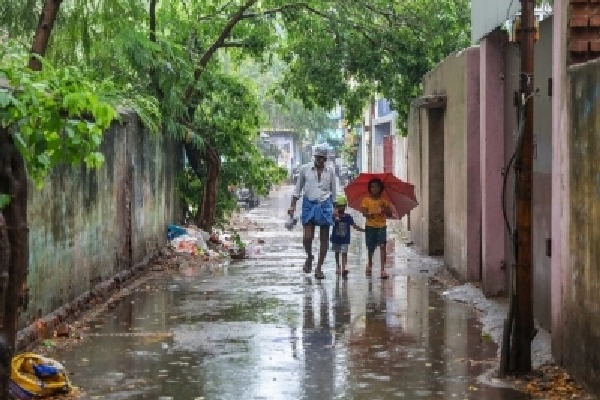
376	209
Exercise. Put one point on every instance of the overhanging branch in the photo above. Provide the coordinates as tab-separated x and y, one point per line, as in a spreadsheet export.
235	44
216	45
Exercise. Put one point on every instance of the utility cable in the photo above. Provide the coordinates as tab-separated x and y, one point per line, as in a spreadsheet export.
506	361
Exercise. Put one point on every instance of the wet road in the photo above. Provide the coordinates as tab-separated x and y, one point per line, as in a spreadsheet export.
262	329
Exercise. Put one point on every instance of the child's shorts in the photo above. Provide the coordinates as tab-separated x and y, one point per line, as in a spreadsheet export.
339	248
375	237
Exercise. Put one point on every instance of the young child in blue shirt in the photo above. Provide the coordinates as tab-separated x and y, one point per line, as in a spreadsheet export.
340	236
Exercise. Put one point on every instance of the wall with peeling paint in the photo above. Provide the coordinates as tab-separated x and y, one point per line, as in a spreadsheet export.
86	226
581	290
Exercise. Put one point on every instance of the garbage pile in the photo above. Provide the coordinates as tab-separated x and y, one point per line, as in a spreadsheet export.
218	244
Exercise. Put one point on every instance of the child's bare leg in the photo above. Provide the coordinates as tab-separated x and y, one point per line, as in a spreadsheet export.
383	255
344	262
337	262
370	260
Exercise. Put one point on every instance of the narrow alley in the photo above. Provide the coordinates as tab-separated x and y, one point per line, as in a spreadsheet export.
262	329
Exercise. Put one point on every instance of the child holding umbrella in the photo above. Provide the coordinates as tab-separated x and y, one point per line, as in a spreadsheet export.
375	209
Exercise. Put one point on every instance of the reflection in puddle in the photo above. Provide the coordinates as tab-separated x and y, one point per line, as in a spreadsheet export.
260	329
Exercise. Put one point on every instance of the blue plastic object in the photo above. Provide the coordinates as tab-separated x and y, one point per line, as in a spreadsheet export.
45	370
174	231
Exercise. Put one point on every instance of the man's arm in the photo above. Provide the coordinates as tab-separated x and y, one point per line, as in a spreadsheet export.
297	191
333	185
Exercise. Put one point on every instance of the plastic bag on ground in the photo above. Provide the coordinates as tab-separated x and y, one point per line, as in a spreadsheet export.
185	244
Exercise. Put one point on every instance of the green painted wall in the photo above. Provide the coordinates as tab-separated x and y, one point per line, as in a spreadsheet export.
86	226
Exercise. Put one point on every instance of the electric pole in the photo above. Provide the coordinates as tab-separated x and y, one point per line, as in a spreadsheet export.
523	328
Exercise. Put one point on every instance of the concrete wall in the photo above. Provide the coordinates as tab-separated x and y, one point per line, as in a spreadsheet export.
443	162
542	176
560	260
86	226
581	291
414	174
458	78
473	159
426	172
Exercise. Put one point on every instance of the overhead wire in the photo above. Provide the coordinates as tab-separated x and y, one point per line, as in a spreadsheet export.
505	356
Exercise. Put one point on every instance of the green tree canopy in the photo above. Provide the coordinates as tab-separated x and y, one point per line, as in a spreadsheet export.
162	54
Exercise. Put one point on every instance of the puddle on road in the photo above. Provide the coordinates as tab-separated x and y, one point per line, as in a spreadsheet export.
264	334
261	329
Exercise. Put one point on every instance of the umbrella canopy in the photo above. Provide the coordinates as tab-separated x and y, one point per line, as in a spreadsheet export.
400	194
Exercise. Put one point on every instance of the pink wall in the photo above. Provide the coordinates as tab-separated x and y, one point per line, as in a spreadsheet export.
492	161
473	167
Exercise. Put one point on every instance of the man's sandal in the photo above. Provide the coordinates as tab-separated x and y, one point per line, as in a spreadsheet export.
384	275
345	274
319	275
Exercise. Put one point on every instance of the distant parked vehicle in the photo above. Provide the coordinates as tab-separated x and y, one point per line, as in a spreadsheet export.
248	197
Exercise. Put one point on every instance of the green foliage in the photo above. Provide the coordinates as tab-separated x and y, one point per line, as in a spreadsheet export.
358	48
57	115
237	240
259	173
4	200
350	147
227	118
15	17
282	65
161	71
148	109
338	51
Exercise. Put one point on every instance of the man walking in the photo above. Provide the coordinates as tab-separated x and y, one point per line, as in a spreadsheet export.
316	186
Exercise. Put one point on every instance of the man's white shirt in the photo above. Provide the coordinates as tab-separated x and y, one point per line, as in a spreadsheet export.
314	189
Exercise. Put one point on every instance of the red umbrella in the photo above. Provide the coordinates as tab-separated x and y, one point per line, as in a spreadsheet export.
400	194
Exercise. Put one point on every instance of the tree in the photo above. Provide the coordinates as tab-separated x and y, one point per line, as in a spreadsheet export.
356	48
366	47
47	118
341	34
282	110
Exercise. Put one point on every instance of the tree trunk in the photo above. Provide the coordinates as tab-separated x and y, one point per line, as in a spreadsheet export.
43	31
208	205
14	243
5	349
14	233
